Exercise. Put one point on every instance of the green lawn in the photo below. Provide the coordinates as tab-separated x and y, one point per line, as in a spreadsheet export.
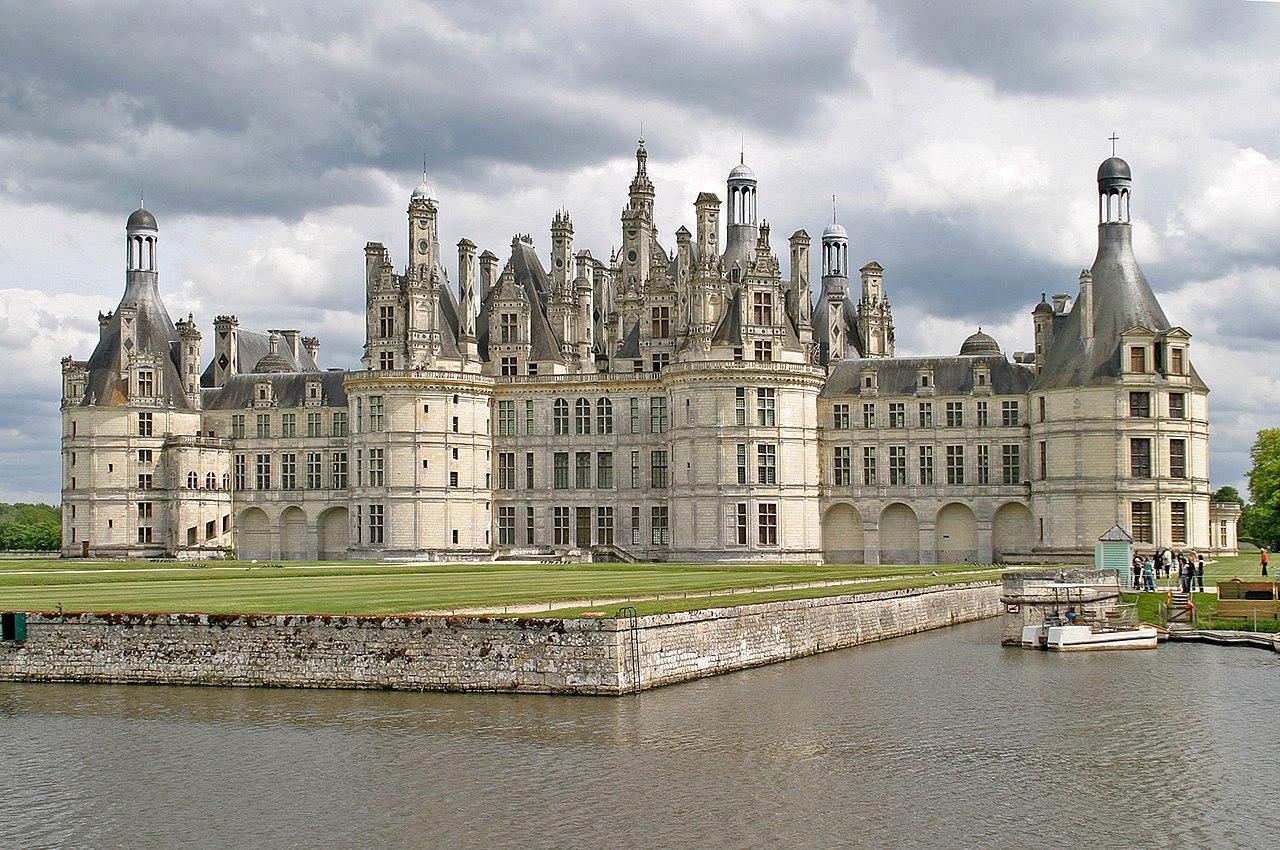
300	588
1206	609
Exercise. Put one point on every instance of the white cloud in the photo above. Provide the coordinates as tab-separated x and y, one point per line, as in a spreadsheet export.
1238	207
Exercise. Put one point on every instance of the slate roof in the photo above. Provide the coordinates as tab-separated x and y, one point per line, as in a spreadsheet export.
290	390
853	343
253	346
155	334
897	376
1122	299
532	281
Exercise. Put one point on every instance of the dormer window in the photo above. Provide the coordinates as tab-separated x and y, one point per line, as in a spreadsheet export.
1137	358
507	328
146	383
1176	365
762	308
924	380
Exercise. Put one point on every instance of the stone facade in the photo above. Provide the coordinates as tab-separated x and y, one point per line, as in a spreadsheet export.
691	404
523	655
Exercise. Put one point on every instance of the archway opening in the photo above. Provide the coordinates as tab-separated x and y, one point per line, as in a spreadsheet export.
1011	530
957	530
899	535
843	539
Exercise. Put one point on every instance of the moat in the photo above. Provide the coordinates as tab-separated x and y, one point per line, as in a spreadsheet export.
941	738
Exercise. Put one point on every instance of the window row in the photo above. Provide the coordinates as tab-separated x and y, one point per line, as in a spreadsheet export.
265	426
920	467
1142	522
297	471
922	414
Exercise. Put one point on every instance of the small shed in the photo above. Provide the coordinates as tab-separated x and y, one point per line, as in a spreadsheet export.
1114	551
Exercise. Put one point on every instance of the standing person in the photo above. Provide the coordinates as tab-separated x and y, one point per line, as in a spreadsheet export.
1200	572
1159	563
1149	576
1264	559
1137	572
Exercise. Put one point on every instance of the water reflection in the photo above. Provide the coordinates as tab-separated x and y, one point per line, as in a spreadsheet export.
940	738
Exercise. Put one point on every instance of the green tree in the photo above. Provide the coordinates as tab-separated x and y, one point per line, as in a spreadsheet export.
1262	517
30	528
1228	495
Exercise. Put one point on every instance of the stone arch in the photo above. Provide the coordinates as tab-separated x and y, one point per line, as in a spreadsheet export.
957	531
293	534
899	535
843	538
1011	530
253	535
333	533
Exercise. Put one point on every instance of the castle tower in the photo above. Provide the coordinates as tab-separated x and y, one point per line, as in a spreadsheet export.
189	359
741	231
875	316
833	330
637	227
1119	416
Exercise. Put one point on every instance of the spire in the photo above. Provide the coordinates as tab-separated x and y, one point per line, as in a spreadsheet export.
833	209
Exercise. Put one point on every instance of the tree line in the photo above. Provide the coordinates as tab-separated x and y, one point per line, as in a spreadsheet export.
30	528
1260	522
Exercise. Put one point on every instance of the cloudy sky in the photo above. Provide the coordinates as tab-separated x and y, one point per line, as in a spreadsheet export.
961	139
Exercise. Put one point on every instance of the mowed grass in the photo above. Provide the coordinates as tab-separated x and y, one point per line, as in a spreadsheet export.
289	588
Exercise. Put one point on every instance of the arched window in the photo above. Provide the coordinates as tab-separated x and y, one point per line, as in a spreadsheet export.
193	481
560	416
582	418
226	481
604	416
211	481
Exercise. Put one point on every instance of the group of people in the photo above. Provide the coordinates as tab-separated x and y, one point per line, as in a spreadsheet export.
1164	563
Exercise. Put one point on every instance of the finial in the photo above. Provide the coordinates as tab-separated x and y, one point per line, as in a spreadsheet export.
424	166
642	132
1113	138
742	149
142	199
833	209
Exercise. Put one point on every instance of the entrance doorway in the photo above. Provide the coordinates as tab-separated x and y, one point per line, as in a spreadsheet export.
584	528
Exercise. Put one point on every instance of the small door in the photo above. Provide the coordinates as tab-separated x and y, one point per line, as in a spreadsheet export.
584	528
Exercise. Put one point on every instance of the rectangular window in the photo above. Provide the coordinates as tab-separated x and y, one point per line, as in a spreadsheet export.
507	471
841	465
144	424
560	417
740	406
144	456
766	406
1177	458
604	525
144	534
315	474
507	328
237	426
767	463
528	470
241	472
264	426
1140	405
453	478
983	417
386	360
289	471
869	478
1044	460
955	465
768	524
659	532
262	472
1009	413
375	524
955	414
740	523
506	525
582	417
314	428
635	470
1178	521
144	481
658	469
925	418
635	525
338	470
984	464
660	322
661	361
840	417
560	471
897	466
1011	464
506	418
288	425
508	366
897	414
926	466
604	416
375	413
386	322
560	526
1137	358
146	383
1040	408
528	524
1175	365
658	414
604	470
869	415
376	469
528	416
1140	457
763	351
742	463
762	308
635	416
1177	405
339	423
582	470
1140	519
145	510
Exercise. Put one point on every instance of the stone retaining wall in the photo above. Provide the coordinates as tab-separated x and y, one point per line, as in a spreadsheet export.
527	655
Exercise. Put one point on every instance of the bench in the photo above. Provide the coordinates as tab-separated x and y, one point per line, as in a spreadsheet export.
1239	599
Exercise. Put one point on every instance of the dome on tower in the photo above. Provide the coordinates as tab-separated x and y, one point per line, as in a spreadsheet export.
424	192
835	230
141	219
271	362
979	344
742	171
1114	168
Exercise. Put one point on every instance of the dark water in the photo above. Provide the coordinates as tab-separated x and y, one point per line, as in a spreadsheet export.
942	739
